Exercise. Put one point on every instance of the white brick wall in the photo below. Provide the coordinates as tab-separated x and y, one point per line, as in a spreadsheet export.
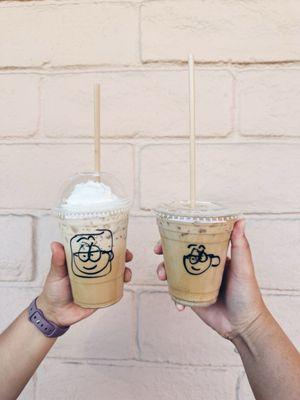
221	31
144	258
48	166
247	88
183	338
107	334
242	175
244	389
132	382
16	260
68	34
268	102
19	117
139	97
275	248
13	302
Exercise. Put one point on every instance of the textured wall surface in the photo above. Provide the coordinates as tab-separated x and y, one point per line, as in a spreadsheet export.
248	124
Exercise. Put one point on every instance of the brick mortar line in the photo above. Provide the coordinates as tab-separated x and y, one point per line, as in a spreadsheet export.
154	141
138	319
37	132
58	3
47	68
131	363
135	322
138	177
140	33
34	247
160	289
142	67
40	109
232	137
136	172
238	384
234	108
141	288
151	62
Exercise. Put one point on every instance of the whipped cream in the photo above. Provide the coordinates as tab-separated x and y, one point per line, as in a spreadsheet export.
92	195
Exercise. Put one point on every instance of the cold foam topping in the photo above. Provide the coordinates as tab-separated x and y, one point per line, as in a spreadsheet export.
92	195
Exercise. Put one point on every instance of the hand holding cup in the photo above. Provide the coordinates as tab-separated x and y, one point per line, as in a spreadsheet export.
239	303
56	299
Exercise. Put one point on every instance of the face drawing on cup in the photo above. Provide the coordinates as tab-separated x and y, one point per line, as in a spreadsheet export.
197	261
92	253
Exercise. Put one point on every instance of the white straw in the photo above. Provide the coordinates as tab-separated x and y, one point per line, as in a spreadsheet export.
97	127
192	132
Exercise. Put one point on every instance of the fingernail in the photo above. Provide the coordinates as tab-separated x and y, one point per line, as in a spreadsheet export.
157	245
160	273
179	307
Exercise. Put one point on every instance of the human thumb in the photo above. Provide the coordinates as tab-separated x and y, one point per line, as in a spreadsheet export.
241	259
58	261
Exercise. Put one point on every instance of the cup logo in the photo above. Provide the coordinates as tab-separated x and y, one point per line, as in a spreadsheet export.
92	253
197	261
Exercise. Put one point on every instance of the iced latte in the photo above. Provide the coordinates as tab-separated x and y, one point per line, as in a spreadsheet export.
195	243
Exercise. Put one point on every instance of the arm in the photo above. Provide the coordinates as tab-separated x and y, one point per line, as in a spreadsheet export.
271	361
22	345
22	348
269	357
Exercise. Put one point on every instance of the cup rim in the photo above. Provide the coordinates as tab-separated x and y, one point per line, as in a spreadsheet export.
204	212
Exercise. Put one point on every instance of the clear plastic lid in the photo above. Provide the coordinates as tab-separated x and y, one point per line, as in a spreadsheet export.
203	212
91	194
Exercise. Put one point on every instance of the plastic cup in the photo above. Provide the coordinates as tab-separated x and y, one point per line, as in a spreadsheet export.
195	244
94	236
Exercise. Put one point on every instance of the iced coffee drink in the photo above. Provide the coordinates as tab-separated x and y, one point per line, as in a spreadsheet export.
93	215
195	243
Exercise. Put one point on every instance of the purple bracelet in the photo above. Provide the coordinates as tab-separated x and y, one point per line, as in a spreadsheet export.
48	328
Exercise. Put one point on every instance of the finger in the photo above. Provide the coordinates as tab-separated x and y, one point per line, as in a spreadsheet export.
127	275
58	261
214	311
222	291
161	272
158	248
128	256
179	307
241	259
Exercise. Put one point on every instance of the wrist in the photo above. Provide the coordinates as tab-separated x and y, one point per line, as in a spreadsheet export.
48	310
48	328
257	329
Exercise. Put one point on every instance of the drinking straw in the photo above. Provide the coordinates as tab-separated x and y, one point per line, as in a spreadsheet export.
192	132
97	127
